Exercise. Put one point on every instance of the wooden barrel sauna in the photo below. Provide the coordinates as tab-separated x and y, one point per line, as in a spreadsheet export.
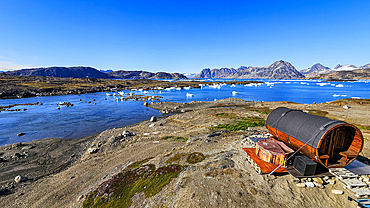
272	151
332	143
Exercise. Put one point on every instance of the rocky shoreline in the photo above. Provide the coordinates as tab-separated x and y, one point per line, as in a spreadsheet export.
62	173
13	86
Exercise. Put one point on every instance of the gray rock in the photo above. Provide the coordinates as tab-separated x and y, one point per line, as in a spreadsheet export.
16	155
301	185
153	119
213	134
20	178
19	144
93	150
296	180
318	185
27	147
226	163
338	192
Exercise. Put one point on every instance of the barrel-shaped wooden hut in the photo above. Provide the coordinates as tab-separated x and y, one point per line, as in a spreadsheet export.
332	143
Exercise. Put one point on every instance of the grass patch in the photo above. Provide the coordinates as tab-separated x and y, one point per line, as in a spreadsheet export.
166	137
363	127
195	157
265	111
242	125
175	158
137	178
181	139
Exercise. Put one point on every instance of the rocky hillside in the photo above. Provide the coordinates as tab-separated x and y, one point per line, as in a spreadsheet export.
73	72
355	74
315	70
278	70
145	75
318	69
82	72
217	73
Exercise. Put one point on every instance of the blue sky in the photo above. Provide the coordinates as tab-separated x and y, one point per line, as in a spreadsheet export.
182	36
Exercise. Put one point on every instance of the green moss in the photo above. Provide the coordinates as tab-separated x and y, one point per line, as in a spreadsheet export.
242	125
167	137
363	127
137	178
195	157
175	158
182	139
265	111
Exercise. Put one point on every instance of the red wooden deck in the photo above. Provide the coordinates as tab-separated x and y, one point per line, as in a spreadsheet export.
264	166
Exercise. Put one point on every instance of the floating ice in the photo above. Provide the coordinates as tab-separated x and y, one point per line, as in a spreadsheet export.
189	95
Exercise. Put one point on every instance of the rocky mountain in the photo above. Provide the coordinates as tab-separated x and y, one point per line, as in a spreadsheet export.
190	75
346	67
367	66
315	70
145	75
82	72
353	74
278	70
74	72
217	73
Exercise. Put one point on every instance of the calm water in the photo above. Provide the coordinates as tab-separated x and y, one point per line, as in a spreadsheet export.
84	118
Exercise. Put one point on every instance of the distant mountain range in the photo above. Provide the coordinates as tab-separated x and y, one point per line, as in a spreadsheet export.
145	75
352	74
278	70
318	69
82	72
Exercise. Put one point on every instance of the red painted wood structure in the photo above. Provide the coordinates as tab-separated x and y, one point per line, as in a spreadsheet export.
331	143
265	167
273	151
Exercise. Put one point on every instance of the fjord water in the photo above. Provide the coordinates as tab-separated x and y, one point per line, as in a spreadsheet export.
83	119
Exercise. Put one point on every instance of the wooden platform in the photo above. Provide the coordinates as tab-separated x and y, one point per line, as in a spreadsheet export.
263	167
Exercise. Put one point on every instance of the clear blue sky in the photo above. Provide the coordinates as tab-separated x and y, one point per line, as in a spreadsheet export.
182	36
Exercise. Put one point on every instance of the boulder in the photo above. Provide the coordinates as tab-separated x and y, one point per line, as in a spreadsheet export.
21	134
92	150
319	185
301	185
318	180
20	178
310	184
338	192
153	119
19	144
